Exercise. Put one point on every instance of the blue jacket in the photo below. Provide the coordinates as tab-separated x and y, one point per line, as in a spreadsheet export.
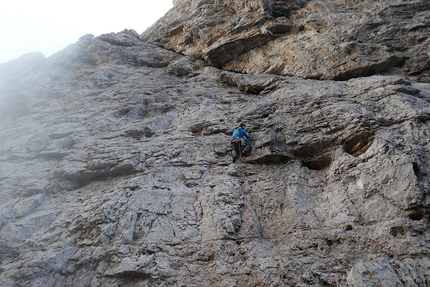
240	133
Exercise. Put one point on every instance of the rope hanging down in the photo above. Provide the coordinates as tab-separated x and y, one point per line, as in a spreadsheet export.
249	218
318	230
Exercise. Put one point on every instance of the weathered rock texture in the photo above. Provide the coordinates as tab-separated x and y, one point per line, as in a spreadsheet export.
337	39
114	172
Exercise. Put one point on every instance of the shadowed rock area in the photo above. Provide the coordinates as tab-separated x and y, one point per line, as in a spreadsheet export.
114	168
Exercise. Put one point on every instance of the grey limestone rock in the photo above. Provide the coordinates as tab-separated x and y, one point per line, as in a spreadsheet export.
114	169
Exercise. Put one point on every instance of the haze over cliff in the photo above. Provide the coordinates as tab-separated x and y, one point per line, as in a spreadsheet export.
114	168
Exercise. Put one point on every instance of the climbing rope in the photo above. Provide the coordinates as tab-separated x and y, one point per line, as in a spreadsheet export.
318	230
249	217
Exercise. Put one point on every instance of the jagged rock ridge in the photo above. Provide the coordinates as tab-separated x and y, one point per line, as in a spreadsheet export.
114	172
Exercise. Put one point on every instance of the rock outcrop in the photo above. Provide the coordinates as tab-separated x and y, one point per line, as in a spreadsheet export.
114	168
314	39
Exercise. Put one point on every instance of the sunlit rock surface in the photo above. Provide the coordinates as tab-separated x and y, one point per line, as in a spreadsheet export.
337	39
114	171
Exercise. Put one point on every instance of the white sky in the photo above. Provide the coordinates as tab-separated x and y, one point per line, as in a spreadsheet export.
48	26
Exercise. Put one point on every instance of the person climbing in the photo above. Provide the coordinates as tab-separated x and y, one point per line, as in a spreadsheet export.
240	140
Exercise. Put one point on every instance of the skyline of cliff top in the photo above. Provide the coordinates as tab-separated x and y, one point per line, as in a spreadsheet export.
49	26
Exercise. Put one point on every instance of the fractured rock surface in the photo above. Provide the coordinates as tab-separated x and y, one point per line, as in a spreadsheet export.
114	171
339	39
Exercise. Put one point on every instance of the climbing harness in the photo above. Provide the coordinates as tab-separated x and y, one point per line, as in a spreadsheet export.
235	148
239	147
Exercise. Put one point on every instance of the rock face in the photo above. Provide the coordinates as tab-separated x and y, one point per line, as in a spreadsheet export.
18	68
316	39
114	170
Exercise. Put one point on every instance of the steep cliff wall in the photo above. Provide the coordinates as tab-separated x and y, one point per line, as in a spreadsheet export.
339	39
114	172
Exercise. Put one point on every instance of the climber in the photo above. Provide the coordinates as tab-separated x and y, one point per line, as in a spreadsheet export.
240	141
